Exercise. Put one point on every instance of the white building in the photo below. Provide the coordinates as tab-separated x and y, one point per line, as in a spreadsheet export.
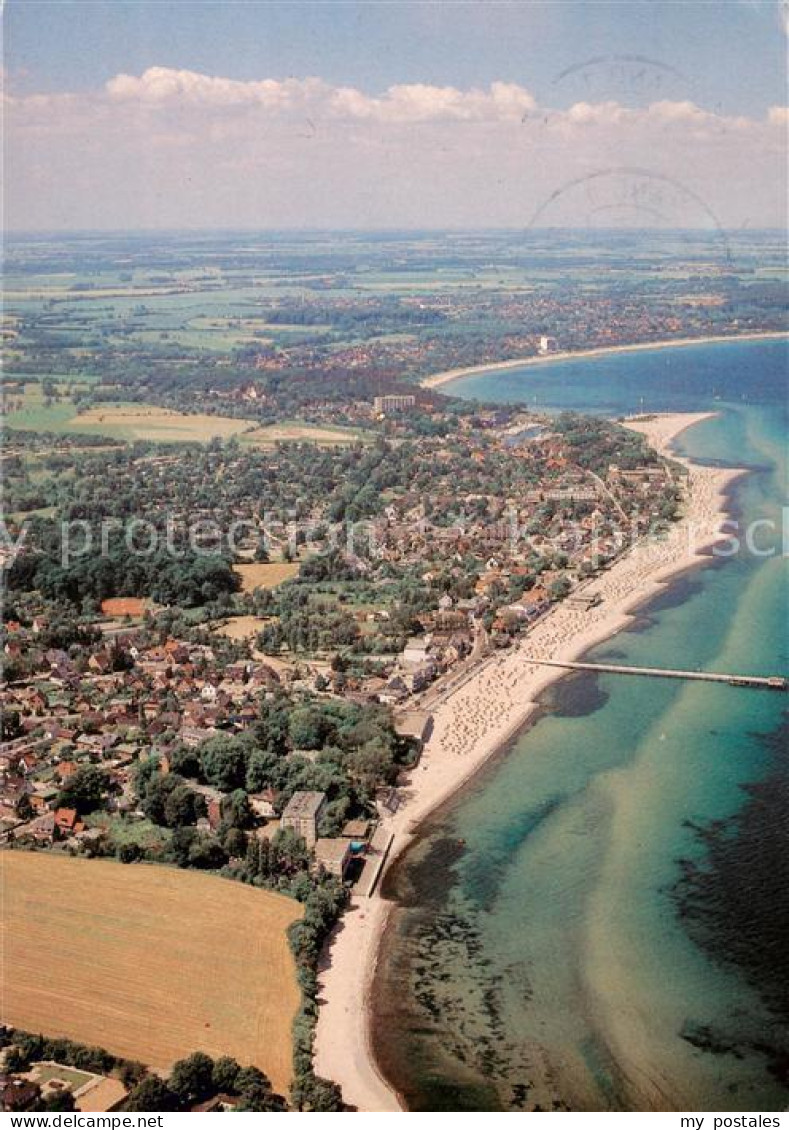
385	405
415	650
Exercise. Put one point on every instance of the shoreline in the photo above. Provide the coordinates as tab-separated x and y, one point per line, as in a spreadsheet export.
473	723
437	380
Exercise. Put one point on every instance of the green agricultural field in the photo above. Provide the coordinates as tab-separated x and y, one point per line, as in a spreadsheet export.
122	421
36	414
132	422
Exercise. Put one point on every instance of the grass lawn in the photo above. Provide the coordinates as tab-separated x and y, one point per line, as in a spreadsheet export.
46	1072
141	832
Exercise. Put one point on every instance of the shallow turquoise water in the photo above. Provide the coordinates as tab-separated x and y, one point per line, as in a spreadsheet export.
544	954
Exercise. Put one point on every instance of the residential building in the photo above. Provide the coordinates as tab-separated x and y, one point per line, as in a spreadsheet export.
334	855
303	813
385	405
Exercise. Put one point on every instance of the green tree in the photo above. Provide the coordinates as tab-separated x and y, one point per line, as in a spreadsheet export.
559	588
60	1099
206	853
167	800
256	1093
129	853
192	1078
236	811
316	1094
185	761
288	851
11	724
225	1074
182	806
263	770
235	843
15	1060
86	789
370	765
308	728
180	846
224	762
153	1094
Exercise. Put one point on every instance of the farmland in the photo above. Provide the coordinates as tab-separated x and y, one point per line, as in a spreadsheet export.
150	422
241	627
295	431
162	425
124	421
149	962
265	576
123	606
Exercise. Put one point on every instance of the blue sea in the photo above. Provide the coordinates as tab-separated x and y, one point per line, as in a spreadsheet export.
600	920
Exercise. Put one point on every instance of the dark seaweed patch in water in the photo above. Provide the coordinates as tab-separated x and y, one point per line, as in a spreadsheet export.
574	696
441	1094
485	870
608	654
736	903
709	1039
681	589
421	877
449	1049
705	1038
443	1043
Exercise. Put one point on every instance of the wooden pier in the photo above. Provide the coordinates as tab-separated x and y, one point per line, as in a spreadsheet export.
760	682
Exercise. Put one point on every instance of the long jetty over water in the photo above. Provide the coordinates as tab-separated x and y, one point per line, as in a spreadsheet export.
762	682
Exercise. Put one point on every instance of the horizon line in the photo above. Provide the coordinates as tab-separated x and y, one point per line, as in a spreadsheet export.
383	230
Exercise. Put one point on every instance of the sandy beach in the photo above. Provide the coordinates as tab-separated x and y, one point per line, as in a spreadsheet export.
472	722
438	379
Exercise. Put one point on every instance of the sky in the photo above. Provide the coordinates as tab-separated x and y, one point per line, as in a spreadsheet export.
184	114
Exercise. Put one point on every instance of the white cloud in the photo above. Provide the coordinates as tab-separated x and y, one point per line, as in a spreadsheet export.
164	86
598	113
420	102
173	147
678	111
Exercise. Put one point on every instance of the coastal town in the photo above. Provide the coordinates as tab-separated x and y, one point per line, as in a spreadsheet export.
444	577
